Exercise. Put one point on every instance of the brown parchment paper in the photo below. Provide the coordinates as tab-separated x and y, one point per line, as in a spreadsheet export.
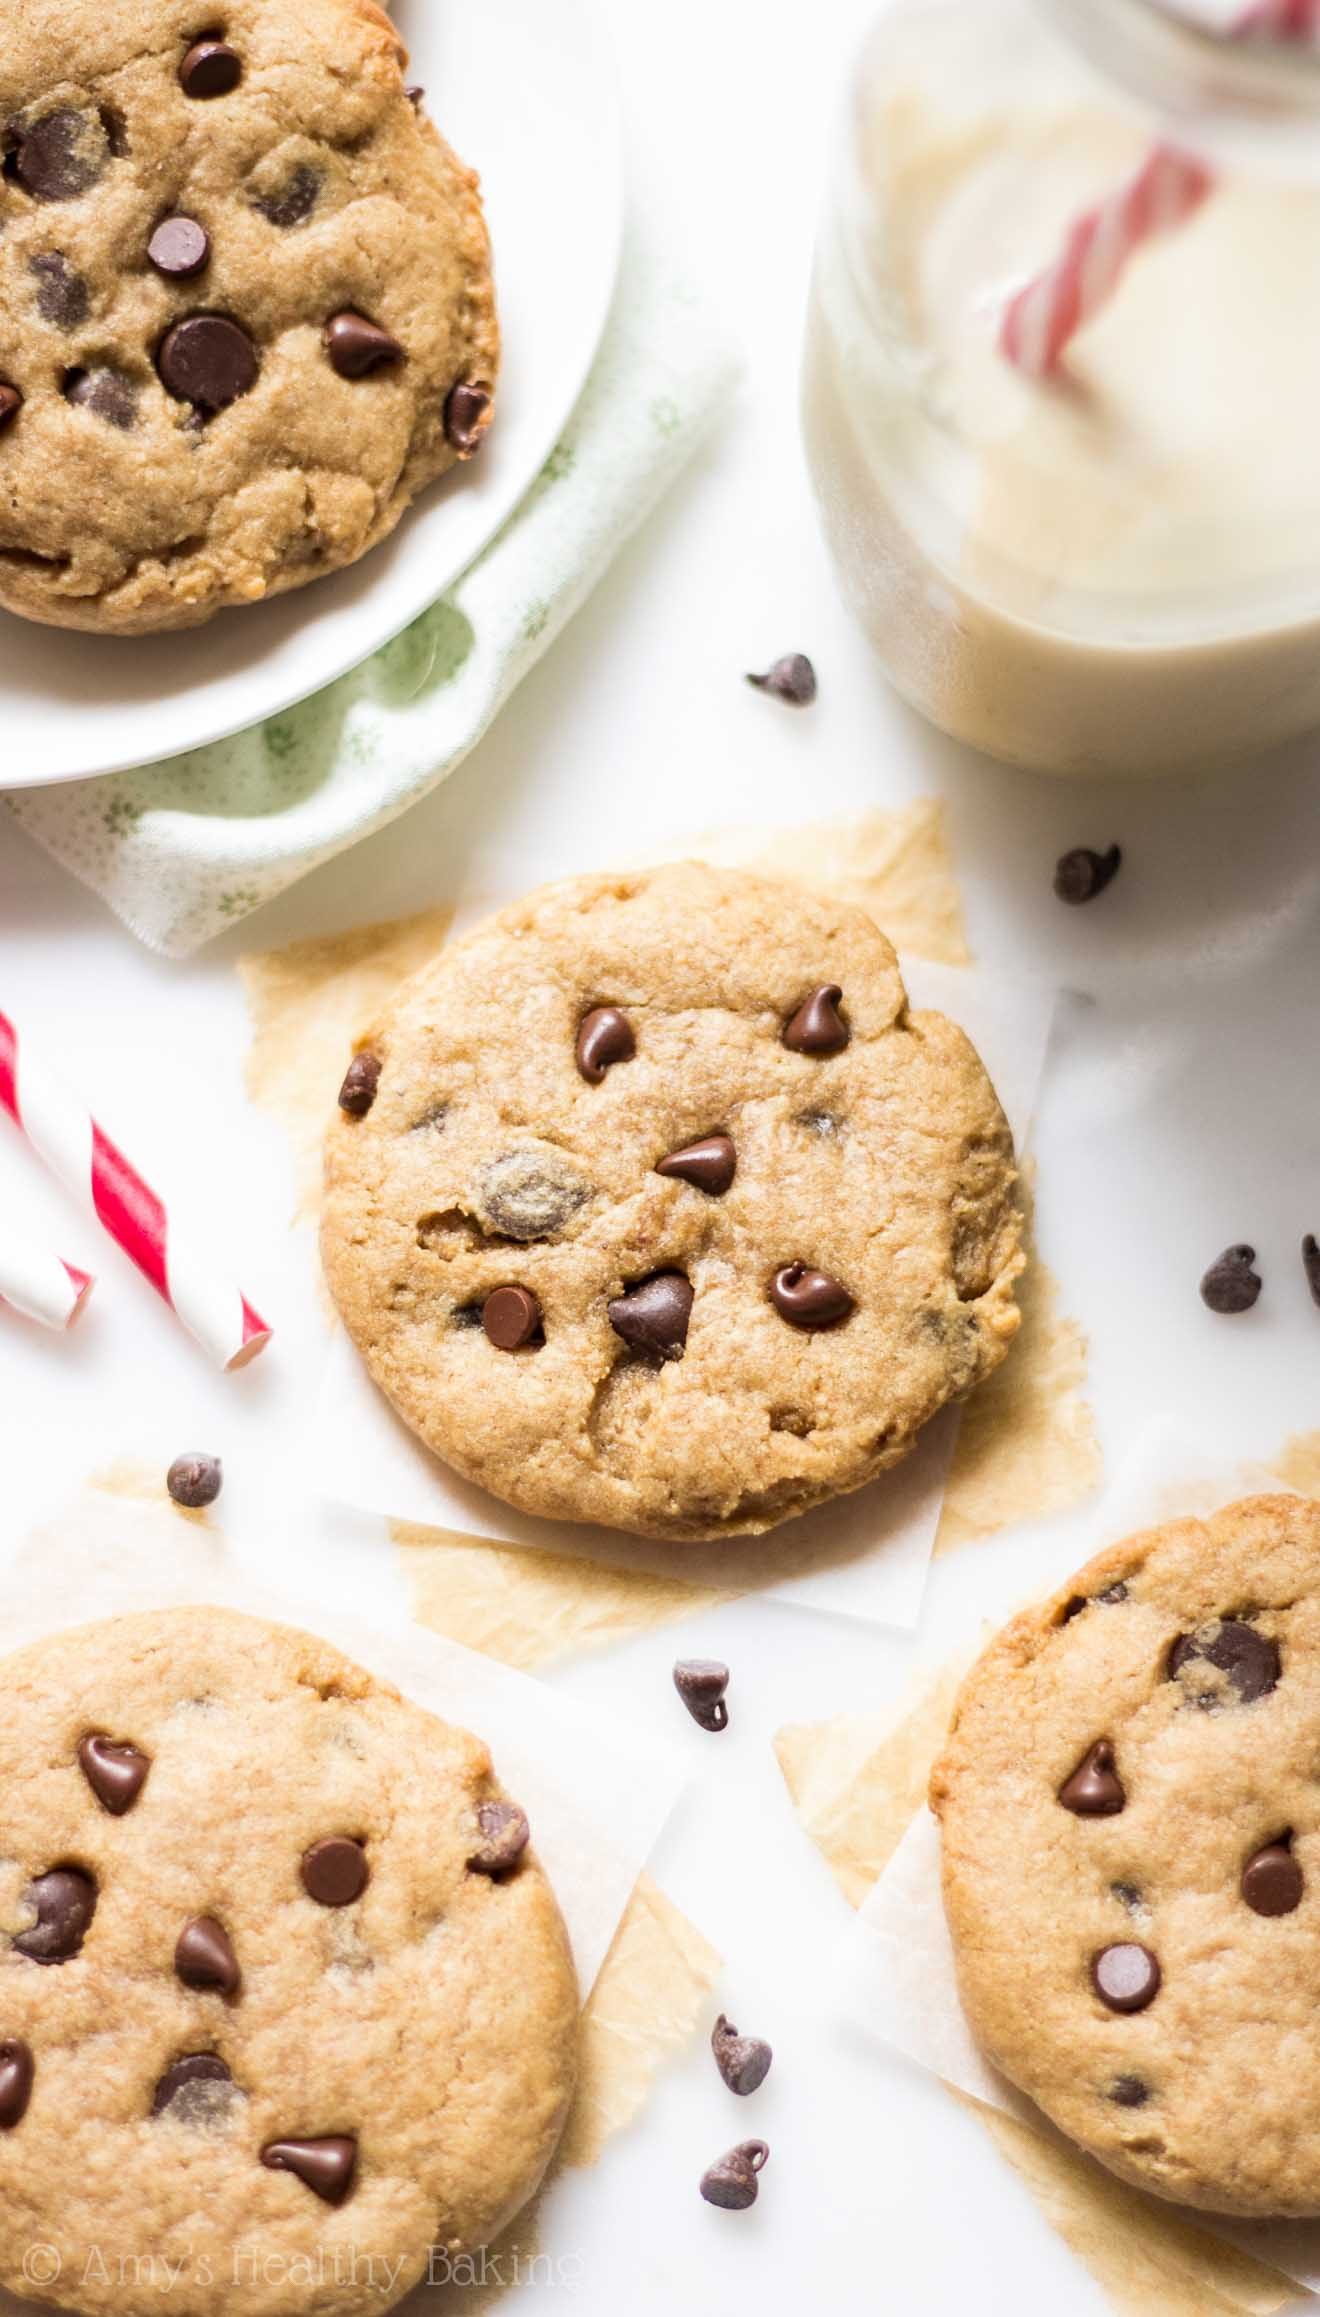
1027	1443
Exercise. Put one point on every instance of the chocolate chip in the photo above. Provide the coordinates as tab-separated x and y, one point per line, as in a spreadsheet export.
357	346
325	2166
210	69
467	417
335	1872
505	1835
295	201
743	2060
106	393
61	154
818	1027
605	1036
11	402
1113	1594
175	2089
653	1316
358	1091
701	1683
1126	1977
793	679
1129	2092
204	1957
711	1164
1248	1660
194	1480
1094	1790
62	295
809	1299
1128	1896
1272	1879
65	1900
511	1317
528	1194
1310	1246
1231	1284
415	93
16	2073
208	361
115	1773
1080	875
180	248
732	2182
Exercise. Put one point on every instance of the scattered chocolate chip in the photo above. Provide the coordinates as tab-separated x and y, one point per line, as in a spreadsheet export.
295	201
467	417
1272	1879
63	297
325	2166
210	69
1094	1790
701	1683
11	402
793	679
208	361
1081	875
711	1164
818	1027
194	1481
653	1316
1310	1245
173	2090
106	393
511	1317
335	1872
809	1299
743	2060
61	154
605	1036
1248	1660
204	1957
732	2183
1129	2092
528	1194
180	248
16	2073
1231	1284
505	1835
65	1900
357	346
1126	1977
358	1091
115	1773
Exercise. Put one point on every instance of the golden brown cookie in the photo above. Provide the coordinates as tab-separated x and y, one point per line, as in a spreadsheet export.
1131	1826
246	310
277	1979
650	1203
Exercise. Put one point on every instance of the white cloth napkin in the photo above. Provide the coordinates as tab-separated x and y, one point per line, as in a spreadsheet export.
182	849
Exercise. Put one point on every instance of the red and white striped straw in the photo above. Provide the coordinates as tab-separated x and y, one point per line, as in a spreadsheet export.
1279	20
68	1138
41	1286
1042	320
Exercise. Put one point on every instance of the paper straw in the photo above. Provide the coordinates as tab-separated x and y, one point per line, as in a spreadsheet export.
42	1286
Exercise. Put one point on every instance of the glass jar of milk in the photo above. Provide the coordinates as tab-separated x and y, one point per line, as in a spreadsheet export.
1113	567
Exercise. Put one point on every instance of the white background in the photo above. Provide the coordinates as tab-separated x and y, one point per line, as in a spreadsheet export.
1180	1114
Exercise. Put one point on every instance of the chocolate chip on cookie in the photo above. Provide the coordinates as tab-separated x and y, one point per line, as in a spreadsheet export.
605	1036
505	1835
1226	1661
59	155
1272	1880
1094	1790
1126	1976
191	2089
180	248
328	2167
810	1299
63	297
358	1091
211	68
1129	2092
65	1901
511	1317
654	1315
204	1957
710	1164
209	361
818	1027
16	2078
107	394
116	1773
467	417
335	1871
11	402
357	346
529	1194
295	200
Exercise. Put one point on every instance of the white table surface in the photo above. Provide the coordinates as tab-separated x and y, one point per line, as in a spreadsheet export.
1180	1115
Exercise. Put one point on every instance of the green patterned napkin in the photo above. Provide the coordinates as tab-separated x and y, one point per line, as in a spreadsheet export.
181	849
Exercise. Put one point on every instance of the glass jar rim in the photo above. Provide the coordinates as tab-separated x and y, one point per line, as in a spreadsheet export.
1254	98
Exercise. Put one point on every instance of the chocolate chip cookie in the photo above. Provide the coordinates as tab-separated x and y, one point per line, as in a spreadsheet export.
651	1203
1130	1803
279	1977
246	309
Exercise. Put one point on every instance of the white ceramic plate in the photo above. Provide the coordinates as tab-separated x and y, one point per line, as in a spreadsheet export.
526	93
